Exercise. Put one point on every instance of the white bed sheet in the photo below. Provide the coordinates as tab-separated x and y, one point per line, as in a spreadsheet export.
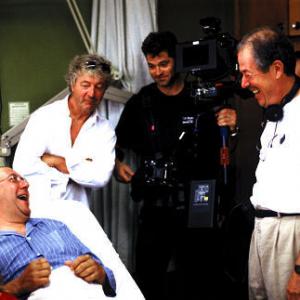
86	227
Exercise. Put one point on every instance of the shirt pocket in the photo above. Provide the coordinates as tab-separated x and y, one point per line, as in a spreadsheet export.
56	242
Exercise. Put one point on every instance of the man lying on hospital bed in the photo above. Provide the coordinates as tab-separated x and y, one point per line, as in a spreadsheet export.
41	258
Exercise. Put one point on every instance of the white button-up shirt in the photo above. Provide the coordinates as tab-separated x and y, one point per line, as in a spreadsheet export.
277	184
90	160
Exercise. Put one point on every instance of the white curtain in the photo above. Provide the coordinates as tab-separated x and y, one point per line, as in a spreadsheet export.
118	29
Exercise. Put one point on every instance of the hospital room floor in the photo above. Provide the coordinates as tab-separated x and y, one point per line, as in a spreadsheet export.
227	290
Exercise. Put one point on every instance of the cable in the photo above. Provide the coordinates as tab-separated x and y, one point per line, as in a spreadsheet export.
81	26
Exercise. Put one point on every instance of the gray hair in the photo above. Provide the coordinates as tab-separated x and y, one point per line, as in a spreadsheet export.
267	45
92	64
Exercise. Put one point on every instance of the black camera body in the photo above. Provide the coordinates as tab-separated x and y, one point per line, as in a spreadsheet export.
159	172
154	176
209	60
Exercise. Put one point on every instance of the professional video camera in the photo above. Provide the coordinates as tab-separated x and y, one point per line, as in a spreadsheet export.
211	61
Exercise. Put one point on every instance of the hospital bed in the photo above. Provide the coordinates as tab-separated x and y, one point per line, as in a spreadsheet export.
85	226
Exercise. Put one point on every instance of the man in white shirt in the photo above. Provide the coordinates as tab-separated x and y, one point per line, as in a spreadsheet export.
67	147
267	65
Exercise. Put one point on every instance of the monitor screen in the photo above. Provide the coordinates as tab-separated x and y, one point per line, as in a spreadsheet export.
202	206
196	56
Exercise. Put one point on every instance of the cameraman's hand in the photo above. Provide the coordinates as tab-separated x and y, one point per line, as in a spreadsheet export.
124	172
227	117
35	276
293	287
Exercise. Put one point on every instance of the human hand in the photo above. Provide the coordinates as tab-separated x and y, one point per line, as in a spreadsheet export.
55	161
293	287
35	276
87	268
124	172
227	117
6	296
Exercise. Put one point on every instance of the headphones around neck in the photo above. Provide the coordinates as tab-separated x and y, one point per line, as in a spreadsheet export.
274	112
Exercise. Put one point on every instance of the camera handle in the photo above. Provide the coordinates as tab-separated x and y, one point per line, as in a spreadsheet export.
224	152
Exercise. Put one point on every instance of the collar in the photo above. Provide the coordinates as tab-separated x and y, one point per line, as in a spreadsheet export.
30	225
94	117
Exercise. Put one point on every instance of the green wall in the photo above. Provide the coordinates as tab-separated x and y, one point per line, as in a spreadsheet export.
37	40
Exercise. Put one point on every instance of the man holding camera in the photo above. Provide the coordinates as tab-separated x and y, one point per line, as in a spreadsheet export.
175	145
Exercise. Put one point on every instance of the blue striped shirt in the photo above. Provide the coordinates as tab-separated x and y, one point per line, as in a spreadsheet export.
46	238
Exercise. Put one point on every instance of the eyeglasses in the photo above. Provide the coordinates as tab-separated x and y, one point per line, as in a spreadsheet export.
93	64
14	178
277	140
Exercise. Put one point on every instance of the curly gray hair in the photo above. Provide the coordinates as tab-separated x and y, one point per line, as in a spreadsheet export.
89	63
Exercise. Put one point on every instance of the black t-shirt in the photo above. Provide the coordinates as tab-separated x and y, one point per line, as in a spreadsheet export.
173	126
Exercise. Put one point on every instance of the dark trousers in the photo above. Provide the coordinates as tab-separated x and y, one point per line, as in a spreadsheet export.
196	254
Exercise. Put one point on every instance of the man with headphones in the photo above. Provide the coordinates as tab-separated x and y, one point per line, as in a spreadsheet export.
267	65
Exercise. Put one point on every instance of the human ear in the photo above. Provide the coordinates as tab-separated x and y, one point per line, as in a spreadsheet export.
278	68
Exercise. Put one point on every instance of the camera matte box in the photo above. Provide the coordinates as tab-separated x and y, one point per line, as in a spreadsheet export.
202	204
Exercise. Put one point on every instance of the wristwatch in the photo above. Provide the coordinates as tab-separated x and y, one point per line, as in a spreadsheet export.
234	131
297	269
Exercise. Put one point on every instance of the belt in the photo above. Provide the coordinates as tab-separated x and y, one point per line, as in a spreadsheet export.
261	213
